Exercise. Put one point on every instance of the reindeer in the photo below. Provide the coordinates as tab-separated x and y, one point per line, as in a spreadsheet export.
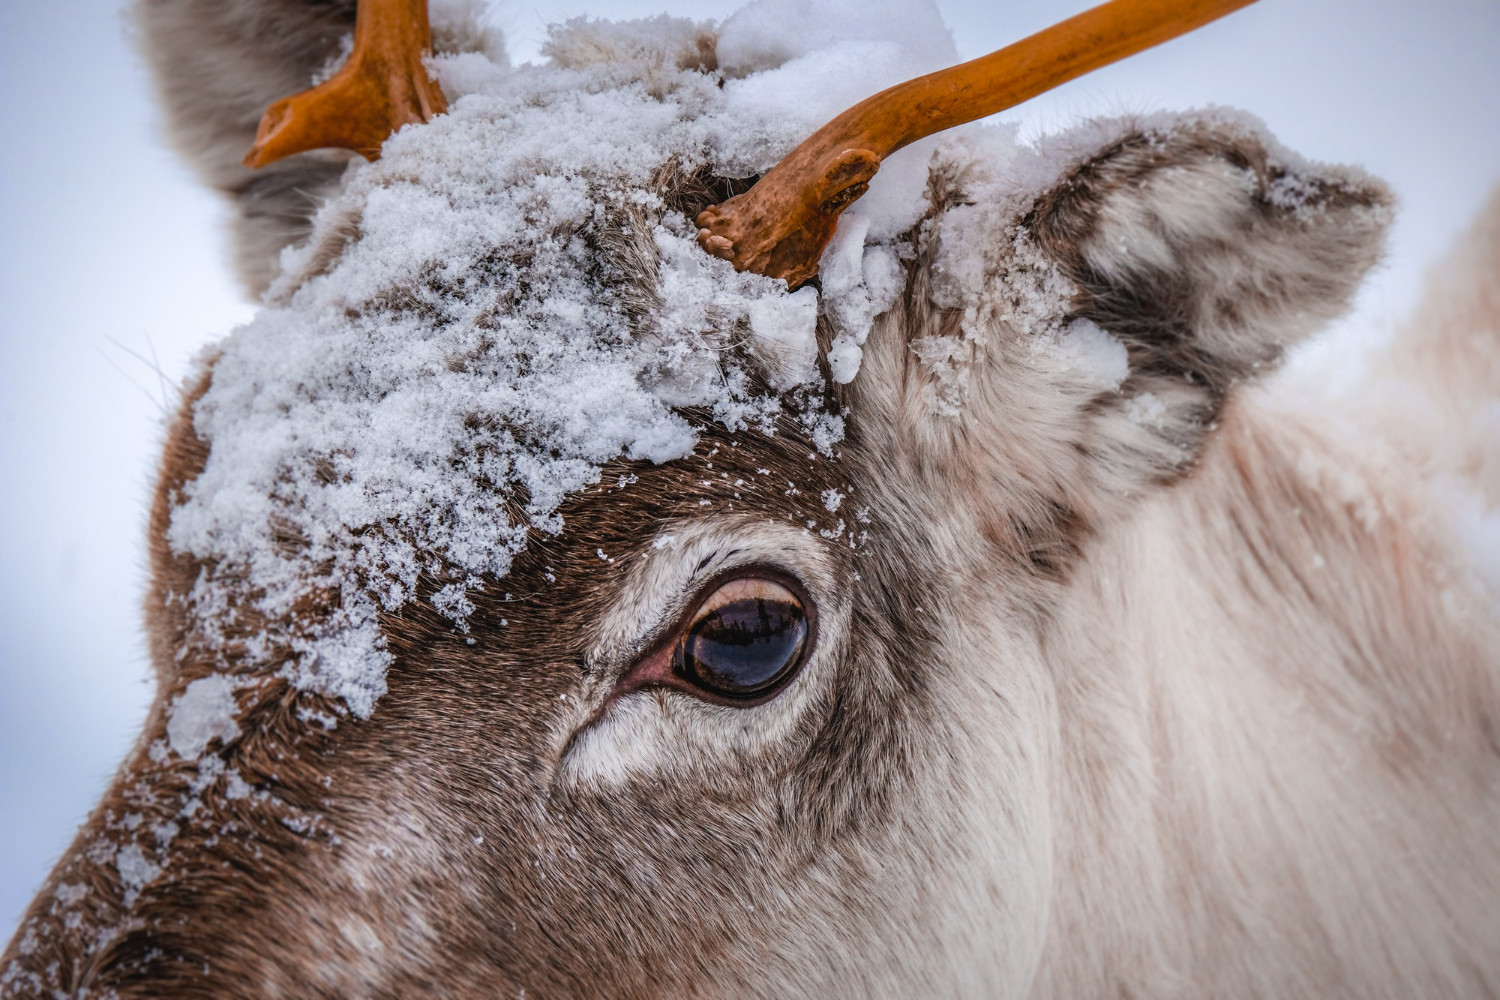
972	621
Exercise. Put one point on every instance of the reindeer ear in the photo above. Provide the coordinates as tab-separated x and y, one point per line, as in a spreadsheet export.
1205	252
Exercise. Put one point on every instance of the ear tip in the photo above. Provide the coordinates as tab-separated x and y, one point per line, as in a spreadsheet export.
1303	187
1308	188
1341	216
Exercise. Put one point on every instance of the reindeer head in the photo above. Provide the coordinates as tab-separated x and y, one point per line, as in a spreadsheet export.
542	606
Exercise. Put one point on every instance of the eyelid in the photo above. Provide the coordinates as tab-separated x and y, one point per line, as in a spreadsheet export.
653	667
737	588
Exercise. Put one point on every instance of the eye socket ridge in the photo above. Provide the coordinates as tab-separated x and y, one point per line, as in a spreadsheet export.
744	637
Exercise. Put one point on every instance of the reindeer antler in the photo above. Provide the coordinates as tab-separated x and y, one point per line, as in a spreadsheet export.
382	87
781	225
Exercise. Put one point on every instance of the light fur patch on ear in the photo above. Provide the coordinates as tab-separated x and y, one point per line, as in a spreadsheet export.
1171	207
1206	249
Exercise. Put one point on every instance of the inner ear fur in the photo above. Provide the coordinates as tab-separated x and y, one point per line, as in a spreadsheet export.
1206	252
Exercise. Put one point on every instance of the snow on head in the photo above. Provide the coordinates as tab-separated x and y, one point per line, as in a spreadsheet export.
204	711
509	298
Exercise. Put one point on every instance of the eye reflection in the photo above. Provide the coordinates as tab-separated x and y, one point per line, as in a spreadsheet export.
746	640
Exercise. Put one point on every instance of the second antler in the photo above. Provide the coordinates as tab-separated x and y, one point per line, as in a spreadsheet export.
780	226
382	87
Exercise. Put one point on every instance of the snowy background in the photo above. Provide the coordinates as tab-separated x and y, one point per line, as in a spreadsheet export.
113	275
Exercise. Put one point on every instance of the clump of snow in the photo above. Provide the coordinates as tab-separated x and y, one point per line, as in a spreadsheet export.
506	300
860	282
786	330
1147	410
204	711
136	871
165	833
766	34
71	894
235	787
1088	352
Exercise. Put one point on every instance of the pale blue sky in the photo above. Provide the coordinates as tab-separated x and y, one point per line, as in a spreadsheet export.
113	276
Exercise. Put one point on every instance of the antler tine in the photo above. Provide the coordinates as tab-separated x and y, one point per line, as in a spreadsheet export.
781	225
382	87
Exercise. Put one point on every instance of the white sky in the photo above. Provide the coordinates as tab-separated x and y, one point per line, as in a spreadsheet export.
113	275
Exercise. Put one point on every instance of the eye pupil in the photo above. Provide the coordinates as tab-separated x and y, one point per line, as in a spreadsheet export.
745	647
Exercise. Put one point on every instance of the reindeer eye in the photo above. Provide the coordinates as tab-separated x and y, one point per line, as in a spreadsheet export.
745	641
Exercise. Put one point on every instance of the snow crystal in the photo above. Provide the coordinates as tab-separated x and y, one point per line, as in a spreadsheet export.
1147	410
1086	350
136	871
71	894
786	329
204	711
236	787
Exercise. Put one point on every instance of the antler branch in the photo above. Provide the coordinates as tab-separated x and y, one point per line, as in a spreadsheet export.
780	226
382	87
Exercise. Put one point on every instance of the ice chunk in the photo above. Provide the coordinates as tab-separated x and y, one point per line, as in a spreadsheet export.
136	871
786	331
204	711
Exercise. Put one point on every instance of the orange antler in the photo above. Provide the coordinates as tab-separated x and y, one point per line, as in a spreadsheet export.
382	87
780	226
